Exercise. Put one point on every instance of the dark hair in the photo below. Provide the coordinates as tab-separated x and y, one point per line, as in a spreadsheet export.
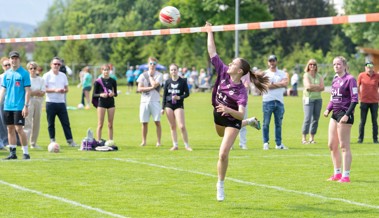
259	80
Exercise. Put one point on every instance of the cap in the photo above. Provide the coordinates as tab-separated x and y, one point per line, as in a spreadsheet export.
14	54
272	57
369	64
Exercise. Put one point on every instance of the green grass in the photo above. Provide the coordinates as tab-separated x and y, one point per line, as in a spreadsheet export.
155	182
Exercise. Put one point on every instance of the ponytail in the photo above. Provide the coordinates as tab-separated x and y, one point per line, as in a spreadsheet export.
259	80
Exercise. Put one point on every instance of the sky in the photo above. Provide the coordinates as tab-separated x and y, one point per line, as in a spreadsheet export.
24	11
34	11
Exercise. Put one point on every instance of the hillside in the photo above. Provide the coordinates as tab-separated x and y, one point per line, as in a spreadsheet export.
24	29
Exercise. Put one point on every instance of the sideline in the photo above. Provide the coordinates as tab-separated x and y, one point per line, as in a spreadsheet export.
254	184
62	199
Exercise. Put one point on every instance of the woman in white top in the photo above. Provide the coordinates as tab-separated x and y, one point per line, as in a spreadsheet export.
32	121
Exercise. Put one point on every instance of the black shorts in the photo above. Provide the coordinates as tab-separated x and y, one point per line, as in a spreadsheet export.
14	118
337	117
130	83
106	103
174	106
226	121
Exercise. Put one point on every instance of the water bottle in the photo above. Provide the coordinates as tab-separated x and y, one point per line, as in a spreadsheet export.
173	100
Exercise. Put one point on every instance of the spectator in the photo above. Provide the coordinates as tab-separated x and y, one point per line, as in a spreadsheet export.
149	84
273	103
3	127
56	87
130	79
87	86
368	88
294	81
16	88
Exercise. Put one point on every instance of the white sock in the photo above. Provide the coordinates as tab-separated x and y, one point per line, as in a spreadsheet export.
186	144
220	183
175	144
25	149
346	173
13	146
337	171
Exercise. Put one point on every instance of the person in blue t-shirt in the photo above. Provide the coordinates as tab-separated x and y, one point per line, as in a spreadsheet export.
16	89
130	79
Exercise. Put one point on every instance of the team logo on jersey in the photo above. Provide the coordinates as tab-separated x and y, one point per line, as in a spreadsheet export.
341	83
174	86
355	90
17	83
231	92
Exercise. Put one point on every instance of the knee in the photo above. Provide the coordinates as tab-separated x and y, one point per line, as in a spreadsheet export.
110	125
223	156
182	128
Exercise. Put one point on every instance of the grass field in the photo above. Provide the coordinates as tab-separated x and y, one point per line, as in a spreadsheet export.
155	182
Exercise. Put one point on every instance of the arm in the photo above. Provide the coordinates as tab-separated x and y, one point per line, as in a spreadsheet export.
282	84
186	90
236	114
210	41
25	110
2	93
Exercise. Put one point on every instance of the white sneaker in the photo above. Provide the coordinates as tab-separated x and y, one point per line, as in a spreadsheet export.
265	146
254	122
220	192
281	147
243	147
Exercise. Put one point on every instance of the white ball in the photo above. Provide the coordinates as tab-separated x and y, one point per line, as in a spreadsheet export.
53	147
80	106
169	16
109	143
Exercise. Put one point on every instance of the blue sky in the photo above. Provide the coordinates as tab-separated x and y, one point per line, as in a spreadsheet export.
24	11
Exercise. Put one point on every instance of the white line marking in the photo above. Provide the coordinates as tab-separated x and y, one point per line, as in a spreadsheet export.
254	184
61	199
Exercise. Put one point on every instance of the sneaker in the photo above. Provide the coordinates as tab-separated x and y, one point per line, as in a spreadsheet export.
87	107
174	148
265	146
253	122
11	157
35	147
281	147
360	141
72	144
376	142
188	148
220	192
335	177
344	179
243	147
26	157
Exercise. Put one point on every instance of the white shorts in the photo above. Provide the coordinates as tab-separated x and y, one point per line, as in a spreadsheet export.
150	108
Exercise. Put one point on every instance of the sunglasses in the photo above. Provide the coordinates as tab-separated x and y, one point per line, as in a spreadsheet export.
313	65
57	64
369	65
6	65
153	63
272	60
33	68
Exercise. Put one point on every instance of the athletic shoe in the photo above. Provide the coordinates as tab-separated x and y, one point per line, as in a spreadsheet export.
188	148
376	142
72	144
11	157
35	147
26	157
243	147
344	179
253	122
281	147
220	192
360	141
265	146
87	107
174	148
335	177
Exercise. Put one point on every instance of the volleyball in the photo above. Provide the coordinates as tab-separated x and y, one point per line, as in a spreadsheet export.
53	147
169	16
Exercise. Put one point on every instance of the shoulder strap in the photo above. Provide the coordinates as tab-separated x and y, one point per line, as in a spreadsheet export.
102	84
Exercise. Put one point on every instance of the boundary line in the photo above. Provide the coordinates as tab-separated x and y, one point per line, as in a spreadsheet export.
254	184
61	199
319	21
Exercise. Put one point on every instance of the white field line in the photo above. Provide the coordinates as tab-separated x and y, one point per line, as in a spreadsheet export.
253	184
61	199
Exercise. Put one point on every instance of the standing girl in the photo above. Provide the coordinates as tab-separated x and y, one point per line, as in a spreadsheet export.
105	88
175	90
343	101
229	99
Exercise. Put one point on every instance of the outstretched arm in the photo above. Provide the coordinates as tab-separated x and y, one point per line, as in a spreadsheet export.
210	41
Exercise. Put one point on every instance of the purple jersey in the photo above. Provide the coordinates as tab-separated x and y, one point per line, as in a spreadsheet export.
344	91
225	91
